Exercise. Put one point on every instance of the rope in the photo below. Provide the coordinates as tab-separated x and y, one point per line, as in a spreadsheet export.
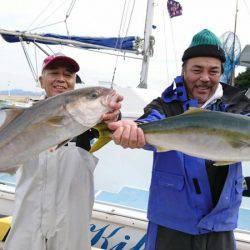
172	36
68	14
119	35
47	6
51	14
29	61
164	11
112	54
131	14
72	4
66	26
40	27
247	8
70	8
36	61
44	51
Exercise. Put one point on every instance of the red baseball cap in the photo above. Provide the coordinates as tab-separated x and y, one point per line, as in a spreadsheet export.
59	57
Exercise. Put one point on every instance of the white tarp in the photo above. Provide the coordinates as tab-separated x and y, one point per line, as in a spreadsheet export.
245	56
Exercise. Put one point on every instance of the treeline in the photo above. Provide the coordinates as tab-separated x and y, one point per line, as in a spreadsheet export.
242	81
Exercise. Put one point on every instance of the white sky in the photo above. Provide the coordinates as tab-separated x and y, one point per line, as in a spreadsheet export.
102	18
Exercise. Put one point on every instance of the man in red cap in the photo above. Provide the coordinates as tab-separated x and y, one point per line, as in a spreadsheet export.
58	74
55	193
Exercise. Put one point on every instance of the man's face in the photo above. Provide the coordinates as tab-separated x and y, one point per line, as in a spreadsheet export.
202	76
57	79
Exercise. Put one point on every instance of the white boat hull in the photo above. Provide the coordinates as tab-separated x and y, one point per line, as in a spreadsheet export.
114	227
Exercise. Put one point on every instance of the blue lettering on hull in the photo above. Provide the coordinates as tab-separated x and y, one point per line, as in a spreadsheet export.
104	238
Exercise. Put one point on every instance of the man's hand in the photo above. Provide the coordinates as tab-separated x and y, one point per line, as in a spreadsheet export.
113	115
127	134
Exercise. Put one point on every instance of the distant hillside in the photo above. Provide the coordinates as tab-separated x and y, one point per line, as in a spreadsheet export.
21	92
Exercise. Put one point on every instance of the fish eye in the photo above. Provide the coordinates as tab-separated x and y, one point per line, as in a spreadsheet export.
93	95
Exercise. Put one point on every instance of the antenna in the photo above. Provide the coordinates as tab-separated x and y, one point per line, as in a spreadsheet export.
235	25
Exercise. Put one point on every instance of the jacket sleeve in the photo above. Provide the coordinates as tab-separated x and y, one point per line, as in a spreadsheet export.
84	140
153	111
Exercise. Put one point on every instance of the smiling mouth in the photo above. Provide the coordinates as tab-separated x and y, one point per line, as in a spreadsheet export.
58	87
203	86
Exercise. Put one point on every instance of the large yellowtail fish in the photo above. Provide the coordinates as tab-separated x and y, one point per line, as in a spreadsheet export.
56	120
218	136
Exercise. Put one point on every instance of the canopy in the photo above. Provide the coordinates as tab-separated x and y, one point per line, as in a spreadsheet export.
245	56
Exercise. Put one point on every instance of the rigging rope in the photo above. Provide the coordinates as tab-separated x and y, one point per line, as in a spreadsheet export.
66	26
43	10
129	22
70	8
119	33
164	11
36	61
48	16
68	14
248	10
47	25
122	23
173	42
40	47
113	54
72	4
29	61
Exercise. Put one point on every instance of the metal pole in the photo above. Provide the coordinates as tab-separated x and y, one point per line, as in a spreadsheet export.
147	47
8	88
233	54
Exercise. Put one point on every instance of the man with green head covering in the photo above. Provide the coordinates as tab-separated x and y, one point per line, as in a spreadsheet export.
193	205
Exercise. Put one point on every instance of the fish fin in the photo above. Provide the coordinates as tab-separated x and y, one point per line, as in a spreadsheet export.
55	121
193	110
104	137
7	115
62	143
161	149
223	163
239	144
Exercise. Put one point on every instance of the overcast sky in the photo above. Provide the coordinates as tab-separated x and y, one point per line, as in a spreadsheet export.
102	18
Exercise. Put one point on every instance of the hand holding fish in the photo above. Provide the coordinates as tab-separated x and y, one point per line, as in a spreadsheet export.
218	136
115	106
127	134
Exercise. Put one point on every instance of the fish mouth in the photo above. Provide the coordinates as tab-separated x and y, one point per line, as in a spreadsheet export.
111	97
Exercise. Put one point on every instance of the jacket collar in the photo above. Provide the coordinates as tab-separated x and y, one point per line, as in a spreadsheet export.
176	91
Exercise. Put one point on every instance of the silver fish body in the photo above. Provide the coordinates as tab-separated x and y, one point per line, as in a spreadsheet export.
28	132
218	136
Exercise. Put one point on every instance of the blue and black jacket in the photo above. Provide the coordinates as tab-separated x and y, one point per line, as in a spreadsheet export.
189	194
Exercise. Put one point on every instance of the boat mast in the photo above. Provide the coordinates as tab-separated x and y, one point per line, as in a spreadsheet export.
148	44
233	54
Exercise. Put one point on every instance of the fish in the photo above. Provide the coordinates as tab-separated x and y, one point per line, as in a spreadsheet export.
217	136
25	132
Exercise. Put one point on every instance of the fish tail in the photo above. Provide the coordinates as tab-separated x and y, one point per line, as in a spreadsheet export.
104	137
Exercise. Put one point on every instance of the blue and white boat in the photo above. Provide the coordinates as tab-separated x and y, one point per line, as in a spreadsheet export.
122	181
